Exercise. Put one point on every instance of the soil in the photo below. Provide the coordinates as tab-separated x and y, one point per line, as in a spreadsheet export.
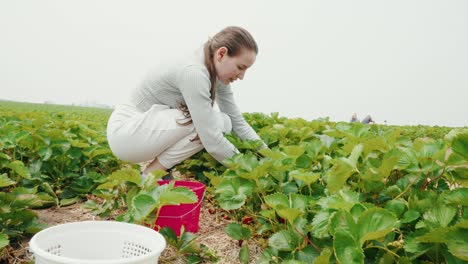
210	233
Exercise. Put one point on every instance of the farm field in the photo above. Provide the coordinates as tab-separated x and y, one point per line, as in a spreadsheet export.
323	192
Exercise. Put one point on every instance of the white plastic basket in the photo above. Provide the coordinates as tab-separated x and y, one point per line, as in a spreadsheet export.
97	242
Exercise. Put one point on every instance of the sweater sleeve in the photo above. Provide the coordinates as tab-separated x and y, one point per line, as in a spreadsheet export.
226	103
195	88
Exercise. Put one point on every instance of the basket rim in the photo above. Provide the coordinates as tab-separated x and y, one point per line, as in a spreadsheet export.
34	247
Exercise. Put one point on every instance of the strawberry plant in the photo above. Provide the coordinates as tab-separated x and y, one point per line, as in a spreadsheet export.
347	193
50	156
323	192
187	247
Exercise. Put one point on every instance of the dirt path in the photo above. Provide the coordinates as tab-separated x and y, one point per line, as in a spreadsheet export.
210	233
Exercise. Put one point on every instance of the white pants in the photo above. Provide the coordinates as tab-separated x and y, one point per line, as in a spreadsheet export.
136	136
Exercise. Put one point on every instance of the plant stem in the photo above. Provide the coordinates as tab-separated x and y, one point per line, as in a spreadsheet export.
406	189
386	249
426	182
307	239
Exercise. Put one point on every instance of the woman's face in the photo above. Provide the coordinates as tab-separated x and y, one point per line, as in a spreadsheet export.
229	68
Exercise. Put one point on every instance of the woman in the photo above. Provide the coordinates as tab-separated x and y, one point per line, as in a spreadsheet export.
170	116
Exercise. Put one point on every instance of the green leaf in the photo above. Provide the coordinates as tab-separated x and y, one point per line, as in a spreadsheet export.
303	161
344	199
4	156
347	249
355	154
396	206
215	180
375	223
45	153
460	144
142	205
289	213
357	210
270	214
306	176
244	254
439	216
18	167
455	237
97	152
187	242
409	216
284	240
131	193
70	201
91	205
457	197
437	235
158	174
305	255
290	208
413	246
237	231
388	164
289	188
5	181
327	141
294	151
449	258
392	191
229	201
26	200
107	185
407	159
320	224
152	180
458	244
343	220
233	192
178	196
277	200
169	235
339	173
274	155
375	143
126	174
48	189
299	201
324	257
4	241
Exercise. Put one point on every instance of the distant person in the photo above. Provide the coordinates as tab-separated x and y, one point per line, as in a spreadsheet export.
368	120
170	115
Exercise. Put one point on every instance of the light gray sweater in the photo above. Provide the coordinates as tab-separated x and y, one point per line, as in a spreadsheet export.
188	81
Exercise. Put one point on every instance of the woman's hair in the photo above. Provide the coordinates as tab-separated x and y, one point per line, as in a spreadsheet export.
235	39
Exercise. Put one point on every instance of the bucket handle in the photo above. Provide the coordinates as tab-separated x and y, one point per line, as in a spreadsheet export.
189	212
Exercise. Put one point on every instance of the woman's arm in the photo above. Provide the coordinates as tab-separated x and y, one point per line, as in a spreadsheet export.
195	88
227	104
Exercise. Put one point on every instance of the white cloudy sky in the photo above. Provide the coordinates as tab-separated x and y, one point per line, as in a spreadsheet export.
401	61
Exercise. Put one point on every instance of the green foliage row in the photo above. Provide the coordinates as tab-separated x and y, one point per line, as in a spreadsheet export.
322	192
344	193
50	155
140	201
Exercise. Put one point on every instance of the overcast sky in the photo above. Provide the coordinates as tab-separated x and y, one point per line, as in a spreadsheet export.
405	62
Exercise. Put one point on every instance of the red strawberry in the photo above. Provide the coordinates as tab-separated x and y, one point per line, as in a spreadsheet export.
247	220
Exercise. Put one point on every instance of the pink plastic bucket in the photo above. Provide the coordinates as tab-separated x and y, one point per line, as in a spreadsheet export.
188	215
